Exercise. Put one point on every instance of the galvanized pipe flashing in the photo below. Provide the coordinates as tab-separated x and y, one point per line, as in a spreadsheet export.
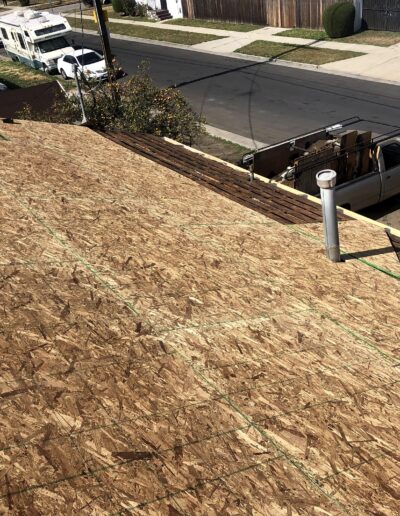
326	180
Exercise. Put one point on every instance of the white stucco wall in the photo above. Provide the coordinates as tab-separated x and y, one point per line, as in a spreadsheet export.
154	4
175	8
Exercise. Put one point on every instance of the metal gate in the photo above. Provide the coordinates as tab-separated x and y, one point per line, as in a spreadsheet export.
382	14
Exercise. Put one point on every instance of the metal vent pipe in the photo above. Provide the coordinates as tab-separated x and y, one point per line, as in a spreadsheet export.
326	180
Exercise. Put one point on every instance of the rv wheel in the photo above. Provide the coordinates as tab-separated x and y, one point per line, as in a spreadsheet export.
64	75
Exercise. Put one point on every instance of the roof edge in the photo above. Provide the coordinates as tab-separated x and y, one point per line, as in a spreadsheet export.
344	211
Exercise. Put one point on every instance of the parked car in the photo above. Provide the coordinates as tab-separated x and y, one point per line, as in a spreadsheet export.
383	182
3	87
89	63
368	166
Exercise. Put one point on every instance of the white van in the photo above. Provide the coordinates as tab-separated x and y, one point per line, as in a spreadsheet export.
35	38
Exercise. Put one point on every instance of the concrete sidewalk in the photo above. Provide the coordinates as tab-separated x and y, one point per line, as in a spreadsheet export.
233	40
378	63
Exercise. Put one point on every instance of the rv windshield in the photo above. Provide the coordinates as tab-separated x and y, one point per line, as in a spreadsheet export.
53	44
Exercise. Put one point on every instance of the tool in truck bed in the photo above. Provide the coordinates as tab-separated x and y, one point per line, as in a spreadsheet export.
367	165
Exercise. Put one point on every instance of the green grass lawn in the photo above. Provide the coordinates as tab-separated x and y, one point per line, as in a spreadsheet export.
367	37
298	54
17	75
138	31
209	24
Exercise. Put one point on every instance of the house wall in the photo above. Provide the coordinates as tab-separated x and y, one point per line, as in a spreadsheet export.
174	6
153	4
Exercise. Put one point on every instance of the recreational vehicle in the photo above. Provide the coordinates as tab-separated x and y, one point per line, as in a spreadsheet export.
35	38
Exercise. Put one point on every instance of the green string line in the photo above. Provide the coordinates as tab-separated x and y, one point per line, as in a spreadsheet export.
297	464
362	260
93	472
377	267
77	256
267	385
261	317
201	483
360	338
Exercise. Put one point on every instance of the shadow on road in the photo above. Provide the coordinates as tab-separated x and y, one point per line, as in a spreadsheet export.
245	67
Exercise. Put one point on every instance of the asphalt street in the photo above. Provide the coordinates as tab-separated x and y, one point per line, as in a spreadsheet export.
261	101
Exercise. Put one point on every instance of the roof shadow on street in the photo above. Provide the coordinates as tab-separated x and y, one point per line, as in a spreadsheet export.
245	67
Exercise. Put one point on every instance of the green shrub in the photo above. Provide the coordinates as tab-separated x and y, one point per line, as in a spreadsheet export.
141	10
136	105
129	7
338	20
117	6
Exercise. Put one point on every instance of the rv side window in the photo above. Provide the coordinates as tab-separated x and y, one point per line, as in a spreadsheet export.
4	33
21	41
391	155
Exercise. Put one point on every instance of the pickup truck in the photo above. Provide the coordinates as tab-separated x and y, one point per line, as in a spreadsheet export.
368	168
376	186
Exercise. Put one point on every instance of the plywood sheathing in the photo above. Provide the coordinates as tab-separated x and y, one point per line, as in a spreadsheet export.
165	350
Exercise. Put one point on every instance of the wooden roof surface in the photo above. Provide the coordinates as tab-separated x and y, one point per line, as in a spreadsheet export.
165	350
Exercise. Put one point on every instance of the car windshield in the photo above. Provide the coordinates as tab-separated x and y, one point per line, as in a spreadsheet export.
53	44
89	58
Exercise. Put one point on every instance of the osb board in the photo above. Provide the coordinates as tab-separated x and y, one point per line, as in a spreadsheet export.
166	351
360	240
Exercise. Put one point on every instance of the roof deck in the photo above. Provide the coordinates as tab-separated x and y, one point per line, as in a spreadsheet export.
166	350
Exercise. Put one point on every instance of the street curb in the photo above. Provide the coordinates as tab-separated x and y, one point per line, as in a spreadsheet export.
244	57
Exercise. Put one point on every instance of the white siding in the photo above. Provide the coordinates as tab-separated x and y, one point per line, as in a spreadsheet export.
175	8
154	4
